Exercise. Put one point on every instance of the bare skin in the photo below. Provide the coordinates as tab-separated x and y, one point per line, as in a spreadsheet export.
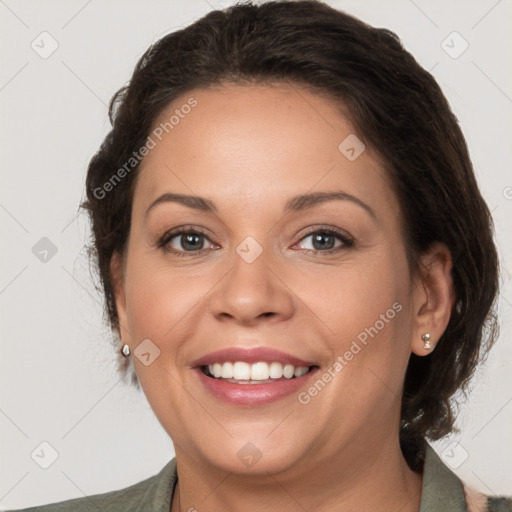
249	149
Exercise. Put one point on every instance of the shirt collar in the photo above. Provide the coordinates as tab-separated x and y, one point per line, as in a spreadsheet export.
442	491
157	496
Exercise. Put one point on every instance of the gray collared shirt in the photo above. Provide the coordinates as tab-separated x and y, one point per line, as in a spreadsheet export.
442	491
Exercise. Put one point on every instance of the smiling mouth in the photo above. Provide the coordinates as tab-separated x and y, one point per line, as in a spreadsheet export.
258	373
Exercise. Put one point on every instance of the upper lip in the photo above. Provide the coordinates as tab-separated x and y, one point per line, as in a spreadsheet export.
249	355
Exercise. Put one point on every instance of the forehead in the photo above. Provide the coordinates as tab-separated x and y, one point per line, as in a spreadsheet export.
257	143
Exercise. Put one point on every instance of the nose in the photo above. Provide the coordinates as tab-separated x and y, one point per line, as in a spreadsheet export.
253	292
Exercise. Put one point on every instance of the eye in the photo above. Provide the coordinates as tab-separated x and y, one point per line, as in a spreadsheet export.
186	241
183	241
324	240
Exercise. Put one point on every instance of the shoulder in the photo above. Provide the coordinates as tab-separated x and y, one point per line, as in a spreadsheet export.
478	502
444	491
499	504
153	493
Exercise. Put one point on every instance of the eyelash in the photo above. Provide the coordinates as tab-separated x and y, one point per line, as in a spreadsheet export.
167	237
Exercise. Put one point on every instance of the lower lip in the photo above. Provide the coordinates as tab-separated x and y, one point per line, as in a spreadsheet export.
253	394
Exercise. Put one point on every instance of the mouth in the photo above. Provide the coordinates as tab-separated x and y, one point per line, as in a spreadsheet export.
243	376
242	387
261	372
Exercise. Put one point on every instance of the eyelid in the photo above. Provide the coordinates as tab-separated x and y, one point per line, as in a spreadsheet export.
328	229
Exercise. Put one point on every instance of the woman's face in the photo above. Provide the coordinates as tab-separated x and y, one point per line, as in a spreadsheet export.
261	272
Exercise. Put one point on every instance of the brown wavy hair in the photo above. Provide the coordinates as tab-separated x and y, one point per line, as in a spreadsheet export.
396	107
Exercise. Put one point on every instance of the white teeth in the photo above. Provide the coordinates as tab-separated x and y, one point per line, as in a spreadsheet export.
227	371
288	371
217	370
275	370
300	371
240	370
260	371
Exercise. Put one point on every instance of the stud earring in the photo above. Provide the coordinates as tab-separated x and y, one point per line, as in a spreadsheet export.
125	350
426	339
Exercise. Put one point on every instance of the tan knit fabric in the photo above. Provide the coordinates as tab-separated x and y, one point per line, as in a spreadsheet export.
476	501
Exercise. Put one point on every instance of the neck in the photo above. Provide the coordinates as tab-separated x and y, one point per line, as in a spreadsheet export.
352	479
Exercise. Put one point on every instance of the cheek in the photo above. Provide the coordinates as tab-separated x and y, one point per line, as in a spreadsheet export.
164	301
356	296
366	307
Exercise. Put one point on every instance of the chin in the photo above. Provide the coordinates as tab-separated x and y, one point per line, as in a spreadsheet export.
254	458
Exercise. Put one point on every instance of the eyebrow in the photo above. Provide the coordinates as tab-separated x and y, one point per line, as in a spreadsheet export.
306	201
295	204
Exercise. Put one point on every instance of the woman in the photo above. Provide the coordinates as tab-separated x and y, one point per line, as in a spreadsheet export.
284	217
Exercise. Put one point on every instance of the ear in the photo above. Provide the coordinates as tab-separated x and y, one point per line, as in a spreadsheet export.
117	279
433	298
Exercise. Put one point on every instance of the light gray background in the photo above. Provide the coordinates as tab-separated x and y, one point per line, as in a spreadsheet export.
58	378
